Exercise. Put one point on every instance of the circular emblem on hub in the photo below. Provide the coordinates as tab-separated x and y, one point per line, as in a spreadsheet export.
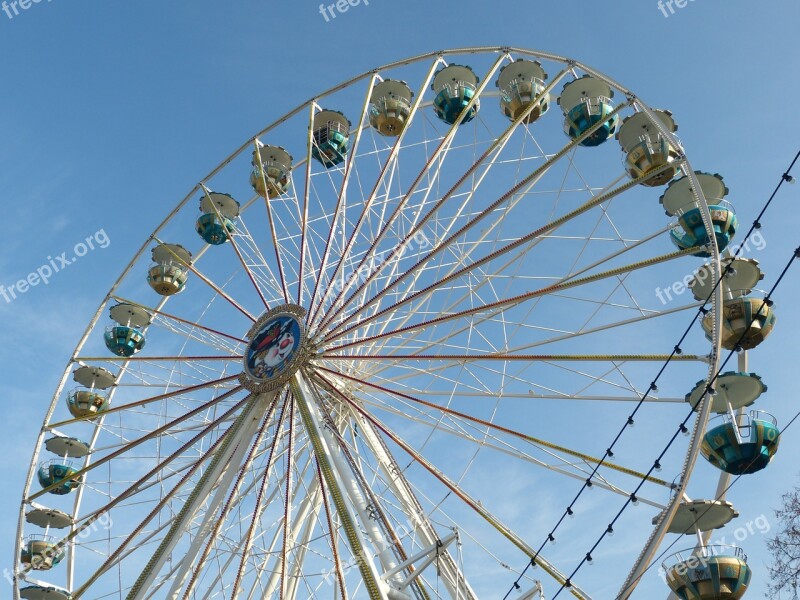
276	349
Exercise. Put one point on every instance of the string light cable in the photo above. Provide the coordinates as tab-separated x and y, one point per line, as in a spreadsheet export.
766	302
708	508
786	177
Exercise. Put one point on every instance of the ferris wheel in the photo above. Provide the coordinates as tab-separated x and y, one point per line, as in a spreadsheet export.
377	350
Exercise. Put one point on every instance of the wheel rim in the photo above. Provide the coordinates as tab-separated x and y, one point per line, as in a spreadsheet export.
395	361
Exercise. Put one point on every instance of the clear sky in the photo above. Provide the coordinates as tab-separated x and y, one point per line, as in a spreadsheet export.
110	111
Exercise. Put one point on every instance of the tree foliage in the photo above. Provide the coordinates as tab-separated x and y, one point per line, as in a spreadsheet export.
784	569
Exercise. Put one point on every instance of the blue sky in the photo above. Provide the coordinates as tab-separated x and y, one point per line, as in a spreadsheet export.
111	111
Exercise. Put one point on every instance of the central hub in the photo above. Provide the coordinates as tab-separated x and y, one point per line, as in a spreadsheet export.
277	348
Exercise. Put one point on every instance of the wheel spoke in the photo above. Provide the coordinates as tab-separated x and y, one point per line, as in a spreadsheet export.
217	524
530	180
442	148
337	563
192	470
248	542
154	434
278	259
506	303
471	503
484	423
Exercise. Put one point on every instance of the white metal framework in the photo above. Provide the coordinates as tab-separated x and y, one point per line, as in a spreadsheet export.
480	319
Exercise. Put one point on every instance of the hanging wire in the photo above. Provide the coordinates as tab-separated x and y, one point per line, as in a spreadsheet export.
786	177
766	302
719	497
